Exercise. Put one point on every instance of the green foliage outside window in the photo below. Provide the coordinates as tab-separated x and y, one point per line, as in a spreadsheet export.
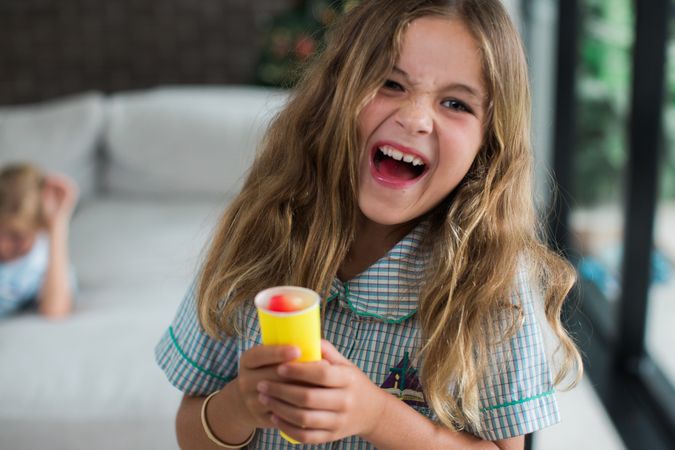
603	110
603	97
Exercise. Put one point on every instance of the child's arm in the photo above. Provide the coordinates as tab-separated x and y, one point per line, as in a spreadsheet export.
59	199
344	402
234	413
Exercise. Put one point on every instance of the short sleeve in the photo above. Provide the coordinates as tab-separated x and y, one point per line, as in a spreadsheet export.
21	279
193	361
517	395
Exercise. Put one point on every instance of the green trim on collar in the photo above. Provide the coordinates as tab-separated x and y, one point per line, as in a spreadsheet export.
518	402
387	290
372	315
194	364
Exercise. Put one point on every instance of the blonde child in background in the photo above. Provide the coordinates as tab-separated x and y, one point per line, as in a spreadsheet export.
397	184
35	212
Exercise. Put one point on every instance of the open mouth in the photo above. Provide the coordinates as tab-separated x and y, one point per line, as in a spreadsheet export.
395	166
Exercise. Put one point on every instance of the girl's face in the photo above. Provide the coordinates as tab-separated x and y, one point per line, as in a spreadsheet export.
424	127
14	243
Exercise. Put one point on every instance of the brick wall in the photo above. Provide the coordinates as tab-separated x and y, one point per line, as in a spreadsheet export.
50	48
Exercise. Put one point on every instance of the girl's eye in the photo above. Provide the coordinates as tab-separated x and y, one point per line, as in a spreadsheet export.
455	105
392	85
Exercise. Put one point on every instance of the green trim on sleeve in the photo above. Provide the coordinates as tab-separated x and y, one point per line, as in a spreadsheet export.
518	402
194	364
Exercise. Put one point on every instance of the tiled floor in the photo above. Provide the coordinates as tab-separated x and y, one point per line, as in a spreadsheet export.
584	426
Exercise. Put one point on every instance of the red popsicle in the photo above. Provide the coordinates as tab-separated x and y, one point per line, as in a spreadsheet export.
282	303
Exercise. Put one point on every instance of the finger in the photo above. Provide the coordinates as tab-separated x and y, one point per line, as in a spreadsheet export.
304	435
48	180
54	182
48	192
300	417
58	187
317	373
266	355
304	396
250	379
262	412
331	354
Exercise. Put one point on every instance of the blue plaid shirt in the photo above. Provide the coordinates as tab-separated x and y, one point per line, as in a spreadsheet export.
371	320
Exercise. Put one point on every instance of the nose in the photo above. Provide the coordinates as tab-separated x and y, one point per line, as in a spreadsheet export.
415	117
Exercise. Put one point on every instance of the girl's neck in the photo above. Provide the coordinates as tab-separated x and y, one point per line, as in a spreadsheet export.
371	242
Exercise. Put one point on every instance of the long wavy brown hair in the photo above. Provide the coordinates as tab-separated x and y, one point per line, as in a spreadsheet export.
295	218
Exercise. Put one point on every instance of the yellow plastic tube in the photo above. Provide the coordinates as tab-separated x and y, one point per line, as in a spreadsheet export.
301	328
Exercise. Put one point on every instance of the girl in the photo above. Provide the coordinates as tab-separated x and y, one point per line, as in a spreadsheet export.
396	183
35	211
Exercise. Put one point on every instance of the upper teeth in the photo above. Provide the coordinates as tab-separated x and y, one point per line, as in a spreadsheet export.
399	155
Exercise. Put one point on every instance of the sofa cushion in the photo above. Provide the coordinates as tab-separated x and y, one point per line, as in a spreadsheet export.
126	242
58	135
185	140
135	259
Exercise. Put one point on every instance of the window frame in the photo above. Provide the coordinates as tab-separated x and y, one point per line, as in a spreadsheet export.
637	395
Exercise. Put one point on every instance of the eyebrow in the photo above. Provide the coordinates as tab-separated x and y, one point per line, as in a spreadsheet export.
452	86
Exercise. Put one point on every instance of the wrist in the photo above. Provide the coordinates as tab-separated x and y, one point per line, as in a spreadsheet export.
233	432
58	228
380	405
231	395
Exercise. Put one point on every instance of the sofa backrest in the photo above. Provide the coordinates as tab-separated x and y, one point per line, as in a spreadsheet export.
59	135
185	140
170	141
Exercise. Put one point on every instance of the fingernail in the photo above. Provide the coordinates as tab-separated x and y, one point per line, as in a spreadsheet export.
282	370
262	386
295	353
263	399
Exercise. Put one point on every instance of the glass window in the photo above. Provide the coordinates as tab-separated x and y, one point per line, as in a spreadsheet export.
598	182
660	339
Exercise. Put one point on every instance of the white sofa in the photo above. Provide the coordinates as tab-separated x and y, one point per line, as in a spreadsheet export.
156	168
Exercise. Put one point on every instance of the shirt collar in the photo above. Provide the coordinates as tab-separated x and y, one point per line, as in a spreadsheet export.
389	289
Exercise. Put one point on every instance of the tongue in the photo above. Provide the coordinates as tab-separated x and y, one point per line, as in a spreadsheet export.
399	170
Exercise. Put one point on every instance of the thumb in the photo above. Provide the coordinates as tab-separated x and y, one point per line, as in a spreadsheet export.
331	354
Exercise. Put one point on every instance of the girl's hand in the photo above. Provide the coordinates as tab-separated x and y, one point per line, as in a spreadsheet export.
256	365
323	401
59	197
